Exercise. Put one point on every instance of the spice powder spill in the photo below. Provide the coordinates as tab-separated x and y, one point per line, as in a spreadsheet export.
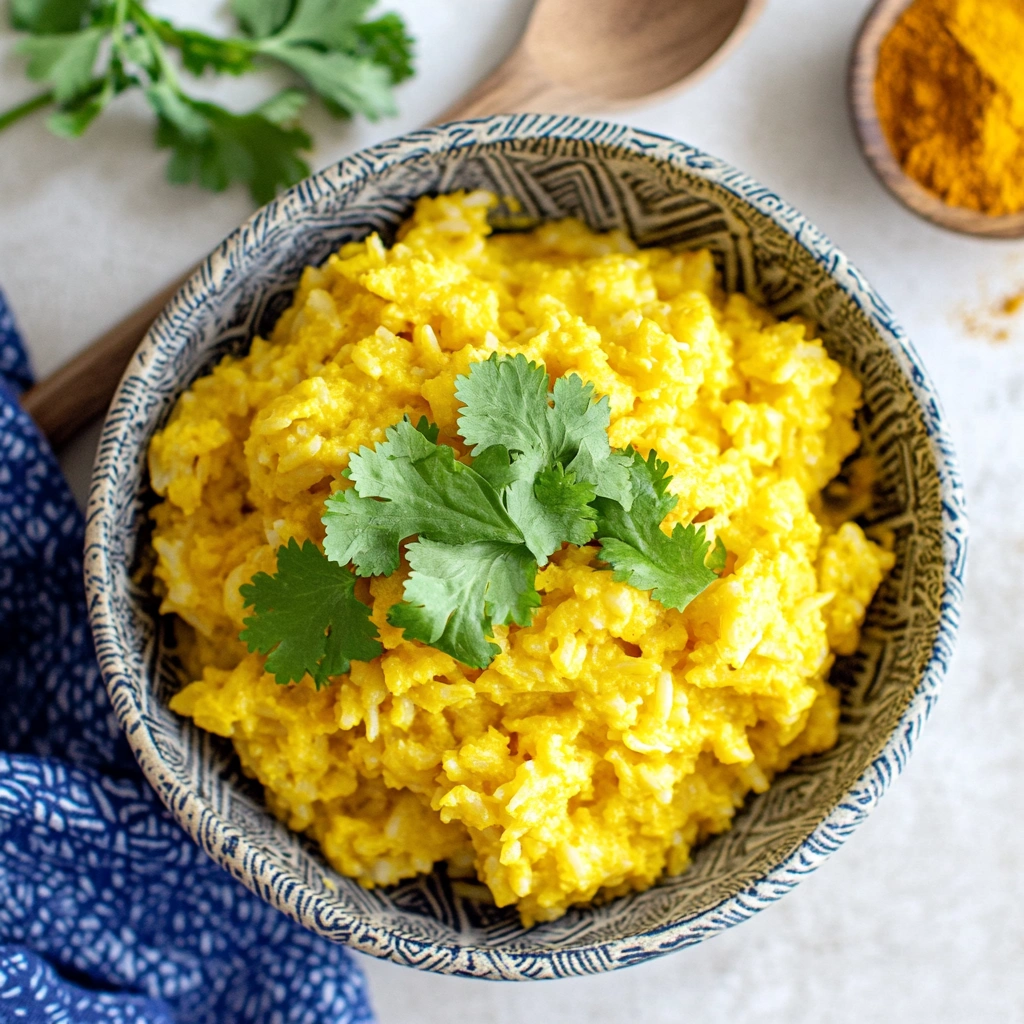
950	98
995	320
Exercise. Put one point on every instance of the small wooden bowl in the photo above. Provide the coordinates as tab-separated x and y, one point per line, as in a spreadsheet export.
863	68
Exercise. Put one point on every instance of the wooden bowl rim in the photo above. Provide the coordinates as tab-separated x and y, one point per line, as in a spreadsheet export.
877	24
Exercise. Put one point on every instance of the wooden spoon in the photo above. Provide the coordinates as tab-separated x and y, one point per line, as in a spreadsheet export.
575	56
863	70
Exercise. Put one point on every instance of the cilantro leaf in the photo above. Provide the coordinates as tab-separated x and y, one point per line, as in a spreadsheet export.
494	464
715	560
64	61
674	568
140	50
351	85
74	118
506	403
386	42
284	107
200	51
431	431
176	111
567	506
215	147
350	65
261	18
49	17
456	593
470	567
580	425
425	491
549	506
561	455
330	24
307	617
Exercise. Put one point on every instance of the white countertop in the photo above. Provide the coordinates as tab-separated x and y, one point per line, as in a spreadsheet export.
918	918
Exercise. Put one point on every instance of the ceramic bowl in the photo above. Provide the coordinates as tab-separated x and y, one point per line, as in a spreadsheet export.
661	192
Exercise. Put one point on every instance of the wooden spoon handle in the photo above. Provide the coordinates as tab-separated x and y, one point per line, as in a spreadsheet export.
73	396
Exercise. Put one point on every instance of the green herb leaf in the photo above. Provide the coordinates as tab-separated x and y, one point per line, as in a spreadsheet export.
352	85
330	24
175	109
141	51
64	61
507	403
456	593
494	464
75	118
568	516
200	51
716	559
351	66
548	505
470	567
49	17
307	617
426	492
386	42
561	455
215	147
674	568
284	107
261	18
429	430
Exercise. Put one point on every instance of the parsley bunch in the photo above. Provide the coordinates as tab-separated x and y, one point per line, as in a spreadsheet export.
542	474
89	51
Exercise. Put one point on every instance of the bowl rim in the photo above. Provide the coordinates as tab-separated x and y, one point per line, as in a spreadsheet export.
246	860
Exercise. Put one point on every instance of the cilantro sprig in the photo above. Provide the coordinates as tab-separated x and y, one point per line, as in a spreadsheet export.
307	617
88	52
675	567
542	474
424	491
558	445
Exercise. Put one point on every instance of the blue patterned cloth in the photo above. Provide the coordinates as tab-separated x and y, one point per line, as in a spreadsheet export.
108	911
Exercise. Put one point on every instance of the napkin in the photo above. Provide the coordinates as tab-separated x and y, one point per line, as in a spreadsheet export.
108	911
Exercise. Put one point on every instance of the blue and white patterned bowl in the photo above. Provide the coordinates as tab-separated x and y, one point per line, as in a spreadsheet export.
661	192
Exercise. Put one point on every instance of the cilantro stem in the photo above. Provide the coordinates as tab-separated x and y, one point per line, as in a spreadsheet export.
171	36
9	117
120	14
165	67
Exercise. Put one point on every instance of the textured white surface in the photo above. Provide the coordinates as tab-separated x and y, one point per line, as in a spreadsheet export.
918	918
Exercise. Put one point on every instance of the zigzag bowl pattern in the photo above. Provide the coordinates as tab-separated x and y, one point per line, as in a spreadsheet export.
661	192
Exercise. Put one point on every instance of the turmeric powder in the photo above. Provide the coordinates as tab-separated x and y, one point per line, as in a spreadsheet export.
950	99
